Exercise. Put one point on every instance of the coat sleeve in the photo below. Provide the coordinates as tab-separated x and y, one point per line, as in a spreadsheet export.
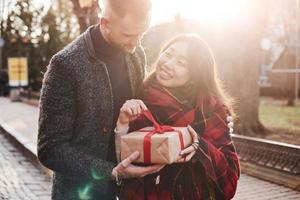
55	131
217	154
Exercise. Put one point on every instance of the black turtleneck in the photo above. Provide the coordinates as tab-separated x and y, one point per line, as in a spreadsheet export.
114	59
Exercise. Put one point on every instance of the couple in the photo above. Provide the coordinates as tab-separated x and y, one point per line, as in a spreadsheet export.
83	114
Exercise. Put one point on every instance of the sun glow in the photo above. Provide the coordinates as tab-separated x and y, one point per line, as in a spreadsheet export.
208	11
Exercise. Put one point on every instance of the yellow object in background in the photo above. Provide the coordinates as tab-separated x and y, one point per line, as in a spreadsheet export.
85	3
18	71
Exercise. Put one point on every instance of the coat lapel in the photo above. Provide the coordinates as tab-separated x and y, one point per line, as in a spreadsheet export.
134	73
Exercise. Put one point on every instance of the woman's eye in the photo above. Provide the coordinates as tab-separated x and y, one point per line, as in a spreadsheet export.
181	63
167	54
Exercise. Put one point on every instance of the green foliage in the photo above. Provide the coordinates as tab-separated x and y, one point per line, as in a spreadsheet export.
274	114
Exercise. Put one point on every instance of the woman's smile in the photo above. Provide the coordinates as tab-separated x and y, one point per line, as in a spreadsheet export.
164	74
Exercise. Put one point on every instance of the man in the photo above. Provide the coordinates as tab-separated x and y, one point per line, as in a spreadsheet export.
84	87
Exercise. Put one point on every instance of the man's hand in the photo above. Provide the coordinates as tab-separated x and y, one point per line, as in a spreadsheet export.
125	169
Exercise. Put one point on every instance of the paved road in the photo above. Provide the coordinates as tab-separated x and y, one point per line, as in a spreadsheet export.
20	178
250	188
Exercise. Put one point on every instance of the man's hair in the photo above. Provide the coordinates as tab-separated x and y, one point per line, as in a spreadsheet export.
123	7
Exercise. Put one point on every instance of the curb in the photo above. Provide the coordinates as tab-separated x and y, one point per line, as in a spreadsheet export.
27	148
19	137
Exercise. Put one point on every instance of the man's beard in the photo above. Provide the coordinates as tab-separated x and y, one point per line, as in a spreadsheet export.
120	47
130	50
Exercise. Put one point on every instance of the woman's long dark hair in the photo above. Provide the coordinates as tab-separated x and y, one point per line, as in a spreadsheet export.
202	65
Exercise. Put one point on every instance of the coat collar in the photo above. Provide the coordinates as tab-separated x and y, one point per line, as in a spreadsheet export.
134	64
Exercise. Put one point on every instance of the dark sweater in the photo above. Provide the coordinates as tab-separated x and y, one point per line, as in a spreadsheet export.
76	119
114	59
117	69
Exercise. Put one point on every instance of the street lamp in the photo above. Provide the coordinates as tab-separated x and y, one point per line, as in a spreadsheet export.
25	40
13	39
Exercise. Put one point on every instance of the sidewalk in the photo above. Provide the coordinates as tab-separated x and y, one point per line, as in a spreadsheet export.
21	121
20	177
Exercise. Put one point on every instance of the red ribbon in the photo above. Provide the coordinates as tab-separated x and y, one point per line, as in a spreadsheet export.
158	129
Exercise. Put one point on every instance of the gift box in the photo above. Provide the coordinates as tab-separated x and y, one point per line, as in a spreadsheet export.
158	144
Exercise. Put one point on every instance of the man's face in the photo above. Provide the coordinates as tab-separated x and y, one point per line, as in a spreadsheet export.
127	32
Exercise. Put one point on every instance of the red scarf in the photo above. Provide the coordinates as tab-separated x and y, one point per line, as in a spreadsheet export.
214	172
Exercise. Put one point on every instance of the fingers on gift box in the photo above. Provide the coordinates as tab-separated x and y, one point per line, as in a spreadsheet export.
156	146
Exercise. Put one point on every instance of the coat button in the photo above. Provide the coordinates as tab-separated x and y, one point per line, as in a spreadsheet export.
104	130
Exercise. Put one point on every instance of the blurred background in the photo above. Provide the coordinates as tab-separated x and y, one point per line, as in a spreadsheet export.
256	44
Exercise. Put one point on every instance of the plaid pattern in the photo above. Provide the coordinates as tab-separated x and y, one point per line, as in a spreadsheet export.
213	171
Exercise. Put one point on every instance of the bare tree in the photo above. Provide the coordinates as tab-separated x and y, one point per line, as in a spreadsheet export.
239	53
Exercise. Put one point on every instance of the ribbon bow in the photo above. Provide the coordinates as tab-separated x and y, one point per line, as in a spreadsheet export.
158	129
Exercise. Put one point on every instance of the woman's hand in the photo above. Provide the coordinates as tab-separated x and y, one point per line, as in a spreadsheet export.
130	110
188	153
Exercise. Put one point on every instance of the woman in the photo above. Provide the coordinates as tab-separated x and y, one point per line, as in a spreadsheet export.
184	90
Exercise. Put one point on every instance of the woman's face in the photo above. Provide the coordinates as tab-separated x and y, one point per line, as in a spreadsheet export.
172	66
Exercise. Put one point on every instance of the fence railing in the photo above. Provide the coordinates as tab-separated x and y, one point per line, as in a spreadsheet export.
270	154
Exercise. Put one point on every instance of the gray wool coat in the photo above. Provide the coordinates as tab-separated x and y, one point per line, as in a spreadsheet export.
75	119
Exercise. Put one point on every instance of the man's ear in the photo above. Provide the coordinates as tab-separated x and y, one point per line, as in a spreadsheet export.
104	23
